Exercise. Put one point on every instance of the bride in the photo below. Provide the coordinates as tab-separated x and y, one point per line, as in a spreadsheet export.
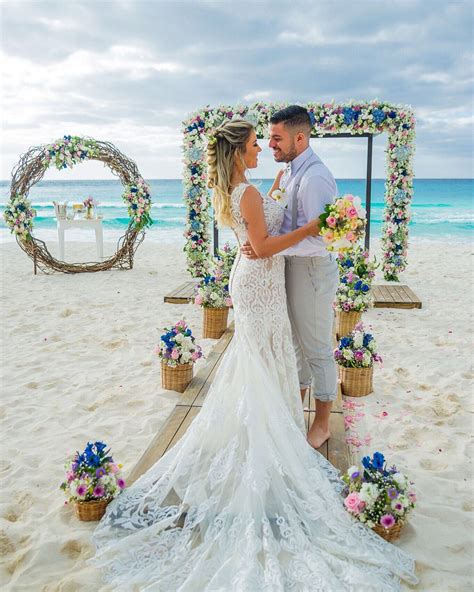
242	503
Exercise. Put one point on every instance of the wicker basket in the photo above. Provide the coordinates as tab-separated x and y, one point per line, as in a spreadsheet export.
176	378
345	322
356	382
215	322
391	534
92	510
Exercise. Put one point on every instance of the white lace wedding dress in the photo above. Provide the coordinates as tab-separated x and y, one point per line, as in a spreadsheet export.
242	503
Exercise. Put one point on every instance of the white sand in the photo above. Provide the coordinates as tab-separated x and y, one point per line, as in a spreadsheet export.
78	365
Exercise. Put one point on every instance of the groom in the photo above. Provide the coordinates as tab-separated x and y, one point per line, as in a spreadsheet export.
311	272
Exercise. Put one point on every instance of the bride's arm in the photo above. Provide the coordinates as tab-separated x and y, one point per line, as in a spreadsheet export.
262	243
276	182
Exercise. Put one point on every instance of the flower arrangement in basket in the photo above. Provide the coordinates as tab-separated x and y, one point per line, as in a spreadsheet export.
178	351
379	496
212	293
356	355
342	223
93	479
354	294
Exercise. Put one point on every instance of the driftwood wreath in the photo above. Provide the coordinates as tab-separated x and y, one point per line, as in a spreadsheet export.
66	153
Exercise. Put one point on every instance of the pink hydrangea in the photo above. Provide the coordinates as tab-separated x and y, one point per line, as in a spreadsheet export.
175	354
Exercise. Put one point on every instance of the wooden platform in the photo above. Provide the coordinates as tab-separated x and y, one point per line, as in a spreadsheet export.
386	296
191	401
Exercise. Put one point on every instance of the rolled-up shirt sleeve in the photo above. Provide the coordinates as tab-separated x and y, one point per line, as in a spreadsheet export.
314	193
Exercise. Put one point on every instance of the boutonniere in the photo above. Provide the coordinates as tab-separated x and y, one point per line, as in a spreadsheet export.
280	196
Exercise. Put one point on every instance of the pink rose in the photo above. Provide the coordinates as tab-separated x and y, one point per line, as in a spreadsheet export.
195	356
352	212
175	354
198	300
331	221
113	468
328	236
350	236
353	503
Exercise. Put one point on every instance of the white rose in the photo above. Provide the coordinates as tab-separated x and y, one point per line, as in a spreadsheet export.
358	340
179	337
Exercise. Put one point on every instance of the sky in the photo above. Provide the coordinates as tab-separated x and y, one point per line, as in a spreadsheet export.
130	72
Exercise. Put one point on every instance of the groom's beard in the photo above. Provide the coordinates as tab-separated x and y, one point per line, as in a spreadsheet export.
280	156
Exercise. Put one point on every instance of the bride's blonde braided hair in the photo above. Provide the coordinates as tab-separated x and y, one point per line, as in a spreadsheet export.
228	141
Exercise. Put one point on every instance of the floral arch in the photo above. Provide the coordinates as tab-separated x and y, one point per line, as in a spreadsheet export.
354	118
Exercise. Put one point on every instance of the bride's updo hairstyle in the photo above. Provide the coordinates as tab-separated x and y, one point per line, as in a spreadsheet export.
224	149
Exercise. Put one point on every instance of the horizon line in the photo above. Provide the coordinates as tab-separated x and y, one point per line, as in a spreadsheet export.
257	179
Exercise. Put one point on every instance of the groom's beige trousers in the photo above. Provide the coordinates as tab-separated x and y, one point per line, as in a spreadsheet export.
311	284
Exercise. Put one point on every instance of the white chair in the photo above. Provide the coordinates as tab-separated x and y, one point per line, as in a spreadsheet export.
63	224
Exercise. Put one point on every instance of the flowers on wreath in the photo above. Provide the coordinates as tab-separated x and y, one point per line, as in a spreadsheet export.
178	346
357	350
92	475
19	216
68	151
342	223
224	261
376	494
137	197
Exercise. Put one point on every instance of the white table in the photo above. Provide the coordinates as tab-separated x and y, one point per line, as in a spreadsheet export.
95	223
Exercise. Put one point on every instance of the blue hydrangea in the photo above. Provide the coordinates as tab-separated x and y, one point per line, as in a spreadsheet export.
399	196
401	153
348	115
195	153
378	460
378	116
345	342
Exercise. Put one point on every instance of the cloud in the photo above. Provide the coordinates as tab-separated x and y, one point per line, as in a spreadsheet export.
131	72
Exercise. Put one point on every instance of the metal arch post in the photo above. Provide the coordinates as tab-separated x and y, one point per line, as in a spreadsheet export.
368	189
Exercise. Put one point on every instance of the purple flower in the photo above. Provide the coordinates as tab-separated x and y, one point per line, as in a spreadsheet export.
358	355
398	507
121	483
387	520
99	491
392	493
100	472
355	474
81	490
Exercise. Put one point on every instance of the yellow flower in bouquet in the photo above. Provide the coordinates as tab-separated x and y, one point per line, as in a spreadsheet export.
343	223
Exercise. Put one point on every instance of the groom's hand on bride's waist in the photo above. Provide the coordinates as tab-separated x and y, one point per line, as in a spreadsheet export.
247	251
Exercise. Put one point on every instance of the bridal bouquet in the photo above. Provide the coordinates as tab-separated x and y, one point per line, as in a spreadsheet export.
92	475
178	346
342	223
357	350
378	495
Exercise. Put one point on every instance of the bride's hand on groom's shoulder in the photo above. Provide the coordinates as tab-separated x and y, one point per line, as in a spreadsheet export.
247	251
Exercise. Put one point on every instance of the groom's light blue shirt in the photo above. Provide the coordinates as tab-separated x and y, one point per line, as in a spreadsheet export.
317	188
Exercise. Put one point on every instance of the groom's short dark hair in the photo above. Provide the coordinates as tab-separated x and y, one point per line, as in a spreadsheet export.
295	117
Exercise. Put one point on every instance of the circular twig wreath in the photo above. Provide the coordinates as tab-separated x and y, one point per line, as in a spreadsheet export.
66	153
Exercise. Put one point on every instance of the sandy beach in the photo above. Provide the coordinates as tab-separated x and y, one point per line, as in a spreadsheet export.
78	365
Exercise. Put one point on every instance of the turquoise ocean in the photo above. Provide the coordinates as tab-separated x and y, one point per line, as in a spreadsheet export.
441	208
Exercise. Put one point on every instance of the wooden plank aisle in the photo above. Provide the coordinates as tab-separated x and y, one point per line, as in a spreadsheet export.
385	295
190	402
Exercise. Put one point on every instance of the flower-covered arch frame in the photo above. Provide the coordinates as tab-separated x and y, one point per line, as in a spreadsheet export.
66	153
354	118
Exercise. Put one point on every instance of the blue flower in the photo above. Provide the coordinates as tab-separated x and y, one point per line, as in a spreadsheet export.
321	119
405	126
366	462
348	263
399	196
367	339
195	225
358	285
312	117
378	460
392	114
345	342
348	115
378	116
195	154
344	280
365	288
194	170
133	190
